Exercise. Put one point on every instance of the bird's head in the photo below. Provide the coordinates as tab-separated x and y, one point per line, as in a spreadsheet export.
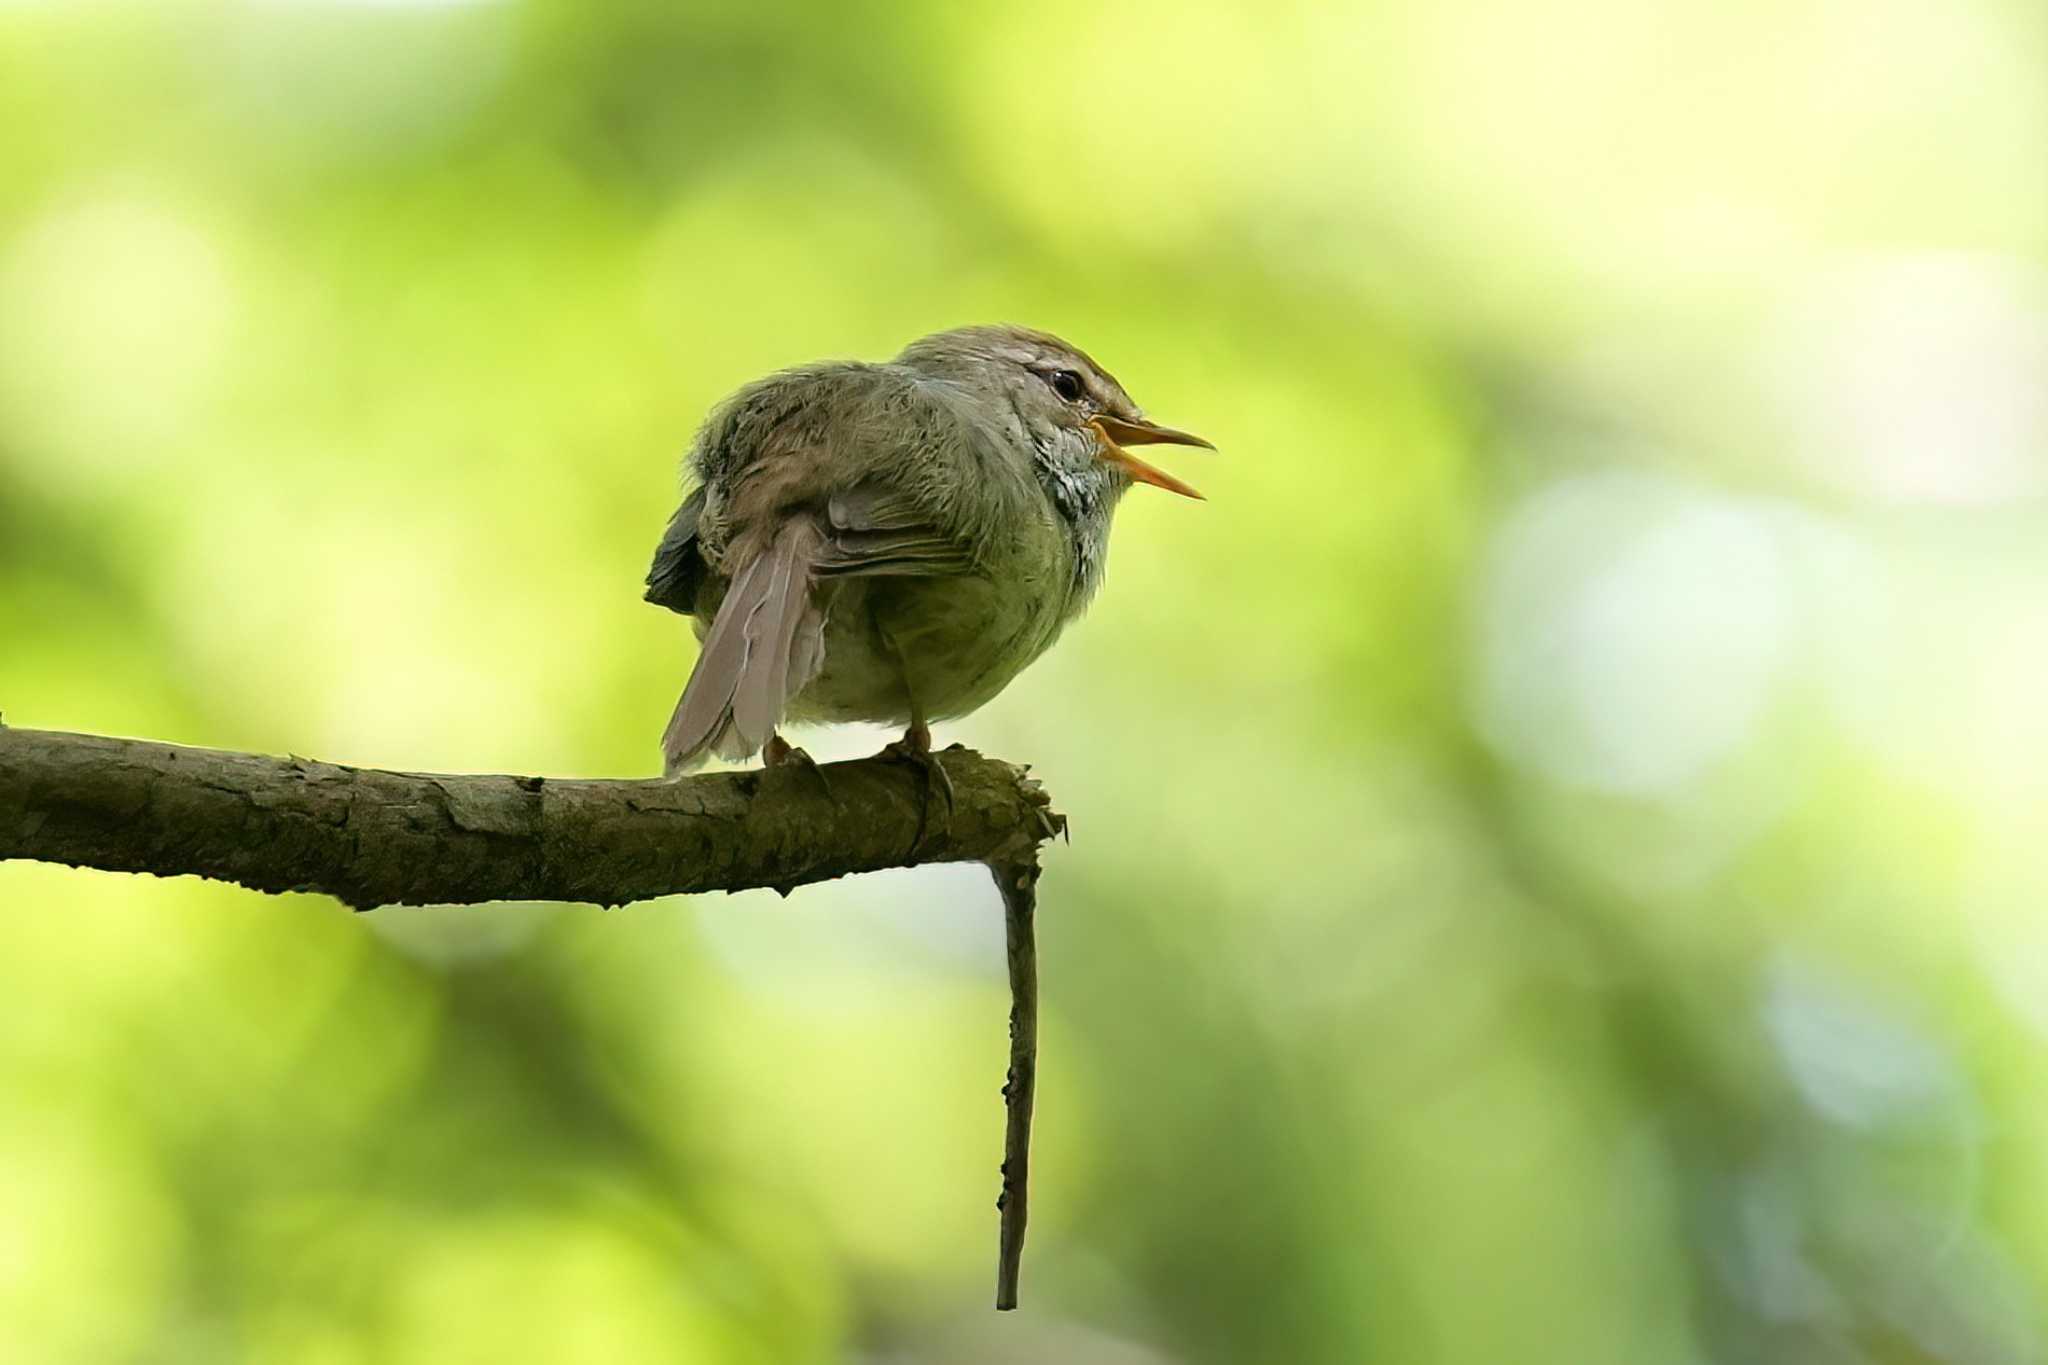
1072	410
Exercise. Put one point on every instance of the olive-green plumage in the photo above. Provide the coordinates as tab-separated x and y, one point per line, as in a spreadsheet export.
891	542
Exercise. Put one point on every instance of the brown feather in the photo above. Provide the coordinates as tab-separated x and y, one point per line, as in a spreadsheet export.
744	677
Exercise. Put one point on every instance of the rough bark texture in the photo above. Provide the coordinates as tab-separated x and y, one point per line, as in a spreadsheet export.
369	837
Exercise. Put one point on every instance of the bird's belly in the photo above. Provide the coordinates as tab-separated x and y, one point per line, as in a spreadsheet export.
950	643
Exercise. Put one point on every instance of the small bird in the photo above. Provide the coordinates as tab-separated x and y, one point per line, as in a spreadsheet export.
893	542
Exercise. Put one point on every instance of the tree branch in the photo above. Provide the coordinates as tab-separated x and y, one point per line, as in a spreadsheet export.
369	837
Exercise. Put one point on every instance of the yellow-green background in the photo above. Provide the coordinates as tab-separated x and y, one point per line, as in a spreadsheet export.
1558	869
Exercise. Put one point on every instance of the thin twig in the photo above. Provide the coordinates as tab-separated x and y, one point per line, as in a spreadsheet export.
1018	882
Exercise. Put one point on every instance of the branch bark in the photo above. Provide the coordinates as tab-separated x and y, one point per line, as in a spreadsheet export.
369	837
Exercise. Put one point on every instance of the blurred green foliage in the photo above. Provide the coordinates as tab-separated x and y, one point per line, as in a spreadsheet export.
1558	866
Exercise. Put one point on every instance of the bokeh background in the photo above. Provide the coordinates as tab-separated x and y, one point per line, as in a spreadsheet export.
1560	837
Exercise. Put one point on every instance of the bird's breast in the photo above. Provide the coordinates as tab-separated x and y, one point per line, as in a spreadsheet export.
947	644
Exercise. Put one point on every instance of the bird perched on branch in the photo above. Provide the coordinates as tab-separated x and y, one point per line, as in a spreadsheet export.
893	542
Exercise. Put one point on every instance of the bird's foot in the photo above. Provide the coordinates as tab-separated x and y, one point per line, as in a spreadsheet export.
915	748
780	753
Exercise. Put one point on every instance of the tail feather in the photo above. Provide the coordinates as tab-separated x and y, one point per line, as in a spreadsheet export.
766	643
763	683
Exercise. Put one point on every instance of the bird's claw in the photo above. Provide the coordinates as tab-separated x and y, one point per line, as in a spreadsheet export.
780	753
915	748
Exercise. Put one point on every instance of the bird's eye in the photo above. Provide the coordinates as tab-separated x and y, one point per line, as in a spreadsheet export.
1067	384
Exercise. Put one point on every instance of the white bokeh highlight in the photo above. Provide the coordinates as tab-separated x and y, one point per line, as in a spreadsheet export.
1630	632
1916	378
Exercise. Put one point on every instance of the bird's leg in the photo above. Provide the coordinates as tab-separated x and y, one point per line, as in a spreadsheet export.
915	748
779	752
916	745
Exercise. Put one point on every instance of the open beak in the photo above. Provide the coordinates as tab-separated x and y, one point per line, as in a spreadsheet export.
1117	433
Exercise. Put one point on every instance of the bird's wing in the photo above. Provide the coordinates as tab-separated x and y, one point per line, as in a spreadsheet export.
873	530
882	460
